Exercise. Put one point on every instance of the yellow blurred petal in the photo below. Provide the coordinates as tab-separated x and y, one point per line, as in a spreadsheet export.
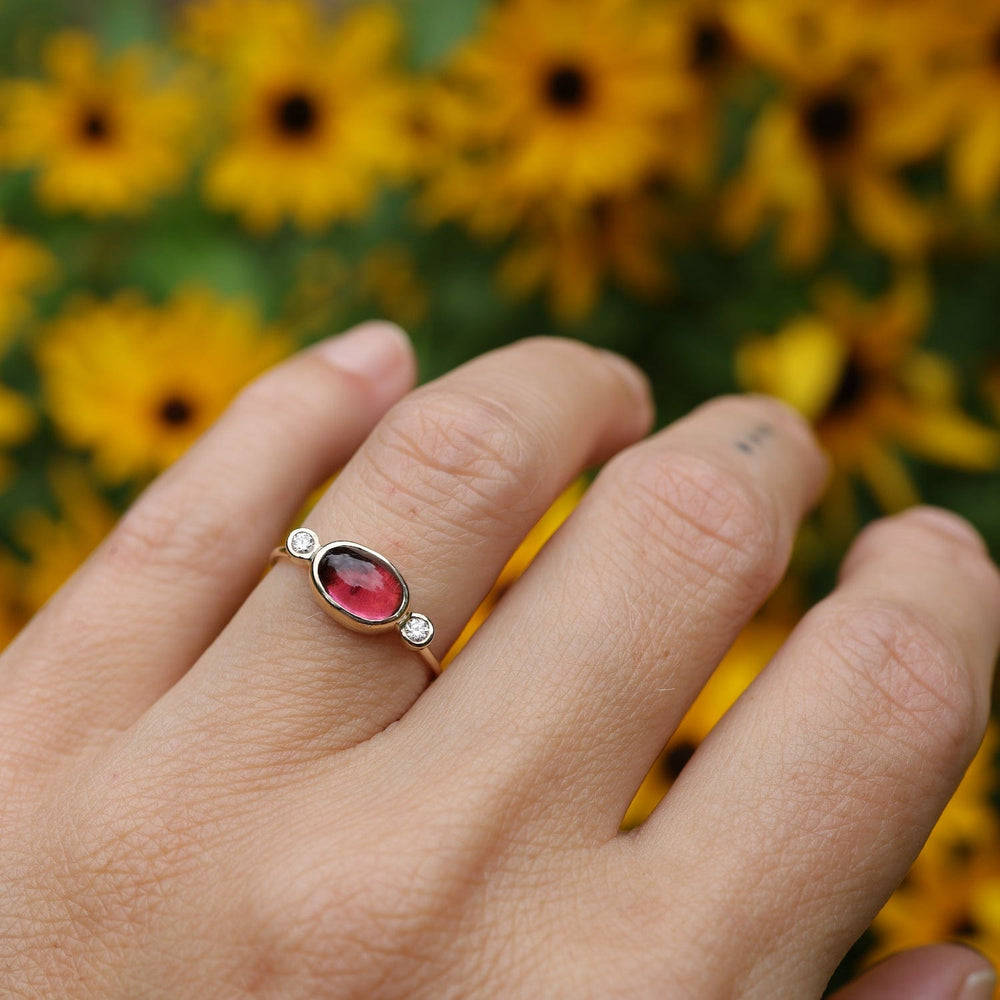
975	159
801	364
887	478
951	438
17	418
71	56
931	378
886	214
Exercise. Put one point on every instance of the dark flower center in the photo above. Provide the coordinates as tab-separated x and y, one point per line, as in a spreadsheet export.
676	757
176	411
296	115
95	126
851	388
567	87
995	47
965	928
710	45
830	121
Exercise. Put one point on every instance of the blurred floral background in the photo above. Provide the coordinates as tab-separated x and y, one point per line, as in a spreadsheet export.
787	196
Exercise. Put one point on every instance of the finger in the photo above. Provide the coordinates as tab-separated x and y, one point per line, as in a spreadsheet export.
583	671
179	563
446	487
937	972
816	791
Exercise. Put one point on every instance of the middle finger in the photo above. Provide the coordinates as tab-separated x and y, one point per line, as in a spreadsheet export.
593	657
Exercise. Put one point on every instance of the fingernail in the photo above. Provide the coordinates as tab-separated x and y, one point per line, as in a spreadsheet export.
379	352
949	524
979	986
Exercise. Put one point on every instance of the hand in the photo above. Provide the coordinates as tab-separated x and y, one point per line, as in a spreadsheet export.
210	789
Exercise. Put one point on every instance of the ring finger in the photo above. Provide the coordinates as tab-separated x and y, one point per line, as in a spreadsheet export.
446	487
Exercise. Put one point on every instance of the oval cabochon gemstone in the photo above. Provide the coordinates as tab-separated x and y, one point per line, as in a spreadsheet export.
359	584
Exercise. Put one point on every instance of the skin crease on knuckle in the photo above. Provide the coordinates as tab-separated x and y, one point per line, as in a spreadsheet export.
682	507
464	454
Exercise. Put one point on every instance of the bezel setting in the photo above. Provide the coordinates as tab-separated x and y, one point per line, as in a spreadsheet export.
302	543
337	610
417	630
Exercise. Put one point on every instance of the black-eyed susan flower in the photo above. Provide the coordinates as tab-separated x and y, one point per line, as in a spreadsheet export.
753	648
105	138
320	119
855	369
553	123
24	265
554	99
853	108
136	384
569	251
700	44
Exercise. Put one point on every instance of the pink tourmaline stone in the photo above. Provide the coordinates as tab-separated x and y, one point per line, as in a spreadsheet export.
359	585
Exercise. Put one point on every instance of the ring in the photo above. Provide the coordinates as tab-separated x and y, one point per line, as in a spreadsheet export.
359	588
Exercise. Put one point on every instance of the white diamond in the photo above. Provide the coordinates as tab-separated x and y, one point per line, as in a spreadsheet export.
417	629
301	543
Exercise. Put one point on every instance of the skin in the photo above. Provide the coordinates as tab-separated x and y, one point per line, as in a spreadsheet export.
209	789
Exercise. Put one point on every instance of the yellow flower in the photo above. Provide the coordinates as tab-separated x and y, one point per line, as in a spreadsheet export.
854	107
569	251
854	369
319	120
137	384
562	121
556	99
701	46
753	648
105	138
24	264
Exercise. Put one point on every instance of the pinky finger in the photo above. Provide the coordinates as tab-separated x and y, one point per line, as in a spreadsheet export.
937	972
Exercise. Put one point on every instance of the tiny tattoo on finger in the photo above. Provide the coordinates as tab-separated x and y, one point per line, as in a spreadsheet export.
751	441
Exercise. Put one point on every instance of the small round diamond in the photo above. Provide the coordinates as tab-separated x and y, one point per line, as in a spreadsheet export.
301	542
417	630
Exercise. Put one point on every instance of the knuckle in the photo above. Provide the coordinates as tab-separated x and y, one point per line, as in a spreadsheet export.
697	509
473	456
915	671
